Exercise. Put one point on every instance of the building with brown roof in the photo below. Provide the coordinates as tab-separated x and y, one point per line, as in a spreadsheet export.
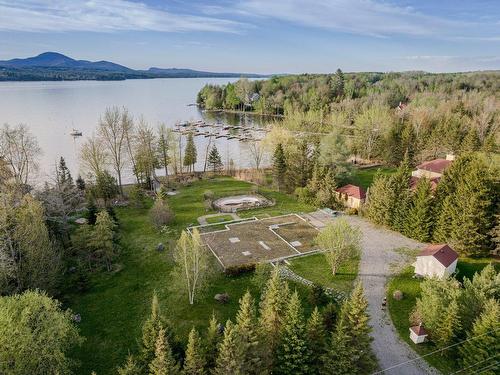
351	196
436	261
418	334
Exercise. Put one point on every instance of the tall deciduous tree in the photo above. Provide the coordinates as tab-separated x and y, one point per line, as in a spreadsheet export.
20	151
112	130
340	242
94	156
191	263
36	335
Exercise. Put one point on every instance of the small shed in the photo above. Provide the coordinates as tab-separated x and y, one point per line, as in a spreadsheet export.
436	261
418	334
351	195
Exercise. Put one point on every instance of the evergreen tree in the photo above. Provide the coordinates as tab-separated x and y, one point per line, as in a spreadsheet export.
446	332
293	355
420	218
483	342
271	314
246	330
130	367
63	174
194	363
163	362
212	340
279	167
339	357
354	315
190	154
316	340
91	211
379	200
150	331
338	84
400	186
214	160
103	238
231	353
80	183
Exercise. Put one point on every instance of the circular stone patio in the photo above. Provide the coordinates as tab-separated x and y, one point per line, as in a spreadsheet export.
241	202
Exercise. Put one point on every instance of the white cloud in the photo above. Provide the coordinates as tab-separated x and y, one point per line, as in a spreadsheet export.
102	16
363	17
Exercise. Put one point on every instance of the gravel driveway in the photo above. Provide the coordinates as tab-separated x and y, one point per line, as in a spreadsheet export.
377	260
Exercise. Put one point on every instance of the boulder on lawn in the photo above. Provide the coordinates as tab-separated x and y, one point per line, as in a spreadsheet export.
397	295
160	247
222	297
81	221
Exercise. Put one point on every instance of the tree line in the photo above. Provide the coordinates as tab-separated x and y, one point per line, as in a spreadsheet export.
460	211
274	337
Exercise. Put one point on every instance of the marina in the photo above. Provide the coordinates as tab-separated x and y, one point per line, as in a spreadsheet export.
220	130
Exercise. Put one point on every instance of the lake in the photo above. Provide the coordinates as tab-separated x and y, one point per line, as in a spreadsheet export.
53	109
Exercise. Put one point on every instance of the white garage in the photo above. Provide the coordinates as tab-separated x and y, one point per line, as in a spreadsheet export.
436	261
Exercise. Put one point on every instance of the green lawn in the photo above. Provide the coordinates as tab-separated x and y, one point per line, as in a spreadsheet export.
219	219
364	177
315	268
400	310
116	303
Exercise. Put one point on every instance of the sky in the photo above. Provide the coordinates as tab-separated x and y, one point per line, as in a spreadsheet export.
260	36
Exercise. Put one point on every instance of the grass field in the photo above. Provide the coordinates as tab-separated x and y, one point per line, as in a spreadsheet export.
219	219
315	268
400	310
116	303
364	177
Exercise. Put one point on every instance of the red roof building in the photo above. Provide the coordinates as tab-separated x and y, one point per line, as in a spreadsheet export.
352	196
435	166
436	261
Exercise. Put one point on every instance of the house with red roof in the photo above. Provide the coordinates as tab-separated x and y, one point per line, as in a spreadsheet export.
432	169
351	195
436	261
418	334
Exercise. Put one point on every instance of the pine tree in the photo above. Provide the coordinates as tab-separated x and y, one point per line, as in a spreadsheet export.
484	339
194	363
271	313
190	154
163	362
293	355
246	330
231	354
130	367
339	357
150	330
80	183
63	175
279	167
449	327
316	341
354	314
103	238
379	200
420	218
400	187
214	160
212	340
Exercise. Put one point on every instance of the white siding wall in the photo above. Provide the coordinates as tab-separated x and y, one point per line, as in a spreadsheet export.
429	266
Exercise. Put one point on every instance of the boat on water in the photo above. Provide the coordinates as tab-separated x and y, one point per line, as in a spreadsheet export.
76	133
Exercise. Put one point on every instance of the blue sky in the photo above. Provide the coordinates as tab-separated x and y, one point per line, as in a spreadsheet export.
264	36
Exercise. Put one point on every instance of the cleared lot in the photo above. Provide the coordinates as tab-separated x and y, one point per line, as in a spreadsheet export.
262	240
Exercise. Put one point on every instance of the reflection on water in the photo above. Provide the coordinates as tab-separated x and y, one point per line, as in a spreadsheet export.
53	109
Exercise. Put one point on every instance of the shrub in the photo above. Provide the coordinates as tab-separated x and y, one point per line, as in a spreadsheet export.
160	214
208	195
137	197
240	269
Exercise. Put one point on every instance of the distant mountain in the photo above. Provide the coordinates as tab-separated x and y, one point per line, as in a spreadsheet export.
53	66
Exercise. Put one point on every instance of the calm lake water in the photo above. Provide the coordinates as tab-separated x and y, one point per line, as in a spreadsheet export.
53	109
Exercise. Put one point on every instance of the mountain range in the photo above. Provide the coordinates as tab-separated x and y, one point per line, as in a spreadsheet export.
53	66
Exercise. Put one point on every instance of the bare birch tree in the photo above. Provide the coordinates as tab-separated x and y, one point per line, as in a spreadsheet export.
257	152
19	150
191	263
112	130
340	242
93	155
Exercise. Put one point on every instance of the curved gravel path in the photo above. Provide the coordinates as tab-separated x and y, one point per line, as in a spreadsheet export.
377	260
